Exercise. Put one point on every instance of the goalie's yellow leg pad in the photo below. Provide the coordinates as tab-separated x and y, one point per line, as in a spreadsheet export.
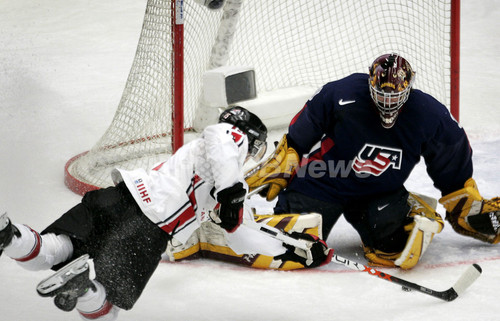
209	242
426	222
419	239
302	223
176	251
224	253
257	261
379	258
189	253
275	171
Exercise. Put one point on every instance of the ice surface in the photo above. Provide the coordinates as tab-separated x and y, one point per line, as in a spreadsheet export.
63	66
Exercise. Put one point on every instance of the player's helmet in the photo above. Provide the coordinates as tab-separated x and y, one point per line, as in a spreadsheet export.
391	79
252	126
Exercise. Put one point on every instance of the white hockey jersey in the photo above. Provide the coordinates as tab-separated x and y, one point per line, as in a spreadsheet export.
178	194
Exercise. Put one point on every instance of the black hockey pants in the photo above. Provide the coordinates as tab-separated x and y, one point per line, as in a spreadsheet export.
125	245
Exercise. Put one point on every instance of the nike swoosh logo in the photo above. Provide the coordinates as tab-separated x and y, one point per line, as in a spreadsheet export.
382	207
346	102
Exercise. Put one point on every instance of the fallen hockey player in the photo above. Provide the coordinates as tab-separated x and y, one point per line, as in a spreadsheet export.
125	229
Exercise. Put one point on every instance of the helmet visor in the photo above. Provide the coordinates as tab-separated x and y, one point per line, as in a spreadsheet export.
258	150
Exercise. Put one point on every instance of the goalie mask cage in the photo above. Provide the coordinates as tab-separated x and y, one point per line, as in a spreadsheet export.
288	43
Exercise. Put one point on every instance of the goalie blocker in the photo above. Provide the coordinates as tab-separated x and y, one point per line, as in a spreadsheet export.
471	215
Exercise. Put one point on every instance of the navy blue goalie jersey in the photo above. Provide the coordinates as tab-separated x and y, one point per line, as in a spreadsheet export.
357	157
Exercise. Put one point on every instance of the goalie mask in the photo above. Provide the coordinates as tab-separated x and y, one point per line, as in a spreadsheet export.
391	79
252	126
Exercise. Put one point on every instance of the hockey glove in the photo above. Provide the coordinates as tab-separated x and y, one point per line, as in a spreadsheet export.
318	253
471	215
275	172
7	232
231	207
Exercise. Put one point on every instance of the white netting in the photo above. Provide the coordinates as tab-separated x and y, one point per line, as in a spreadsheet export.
301	42
288	42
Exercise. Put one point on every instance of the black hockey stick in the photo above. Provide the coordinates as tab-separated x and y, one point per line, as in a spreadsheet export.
465	280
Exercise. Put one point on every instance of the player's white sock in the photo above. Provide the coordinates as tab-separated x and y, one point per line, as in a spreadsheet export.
38	252
94	306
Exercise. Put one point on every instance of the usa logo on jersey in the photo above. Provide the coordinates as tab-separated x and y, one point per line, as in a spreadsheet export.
374	159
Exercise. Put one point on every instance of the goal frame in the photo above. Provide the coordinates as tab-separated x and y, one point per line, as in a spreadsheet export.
177	84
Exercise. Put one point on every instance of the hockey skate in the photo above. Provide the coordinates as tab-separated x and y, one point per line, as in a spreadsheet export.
68	284
7	231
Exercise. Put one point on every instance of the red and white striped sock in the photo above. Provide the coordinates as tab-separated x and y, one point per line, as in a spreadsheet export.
38	252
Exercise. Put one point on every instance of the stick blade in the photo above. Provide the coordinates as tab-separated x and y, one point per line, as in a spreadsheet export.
467	278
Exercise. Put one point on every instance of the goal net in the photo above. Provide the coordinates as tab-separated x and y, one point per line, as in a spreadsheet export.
292	46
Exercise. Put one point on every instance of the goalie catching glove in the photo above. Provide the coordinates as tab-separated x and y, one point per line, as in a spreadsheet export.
317	253
230	211
275	172
471	215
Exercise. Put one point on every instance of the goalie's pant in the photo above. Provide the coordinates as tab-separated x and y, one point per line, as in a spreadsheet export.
379	219
125	245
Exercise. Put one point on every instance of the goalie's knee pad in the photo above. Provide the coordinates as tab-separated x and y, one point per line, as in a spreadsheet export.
426	222
207	239
177	251
471	215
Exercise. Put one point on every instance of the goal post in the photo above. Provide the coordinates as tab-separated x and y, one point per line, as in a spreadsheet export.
455	59
192	62
177	74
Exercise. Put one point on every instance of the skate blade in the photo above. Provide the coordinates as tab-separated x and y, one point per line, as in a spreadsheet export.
61	277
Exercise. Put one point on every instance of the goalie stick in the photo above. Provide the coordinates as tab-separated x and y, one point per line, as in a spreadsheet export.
464	281
256	191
